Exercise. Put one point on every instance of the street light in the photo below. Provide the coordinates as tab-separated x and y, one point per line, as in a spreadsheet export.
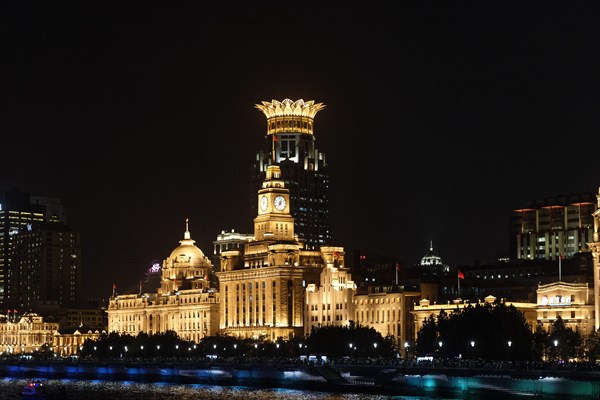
375	345
472	343
509	343
555	342
440	343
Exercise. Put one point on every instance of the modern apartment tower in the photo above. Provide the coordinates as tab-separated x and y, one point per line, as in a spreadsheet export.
45	267
33	236
554	227
290	143
16	213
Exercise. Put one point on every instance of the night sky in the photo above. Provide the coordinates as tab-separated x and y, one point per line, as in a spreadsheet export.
440	118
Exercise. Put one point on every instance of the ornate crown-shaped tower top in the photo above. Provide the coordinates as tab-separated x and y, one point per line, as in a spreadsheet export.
290	116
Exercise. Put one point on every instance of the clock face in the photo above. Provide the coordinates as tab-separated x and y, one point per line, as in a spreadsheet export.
264	203
279	202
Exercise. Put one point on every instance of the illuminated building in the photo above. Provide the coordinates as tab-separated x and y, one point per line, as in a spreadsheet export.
262	285
29	333
16	212
573	302
290	143
425	308
26	333
553	227
21	213
331	303
595	248
183	303
228	241
46	266
68	342
387	310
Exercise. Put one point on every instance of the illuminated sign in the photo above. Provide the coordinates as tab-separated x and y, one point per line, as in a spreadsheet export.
155	267
557	300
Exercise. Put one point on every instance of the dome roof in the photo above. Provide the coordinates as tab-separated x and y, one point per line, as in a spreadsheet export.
430	258
187	251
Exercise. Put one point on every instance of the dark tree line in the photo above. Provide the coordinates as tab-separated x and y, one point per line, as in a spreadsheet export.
331	341
496	331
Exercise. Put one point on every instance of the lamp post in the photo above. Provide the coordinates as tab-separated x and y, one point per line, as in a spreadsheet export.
406	346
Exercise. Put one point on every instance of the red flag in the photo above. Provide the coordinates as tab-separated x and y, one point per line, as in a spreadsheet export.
275	138
114	285
8	311
397	266
336	254
461	275
15	311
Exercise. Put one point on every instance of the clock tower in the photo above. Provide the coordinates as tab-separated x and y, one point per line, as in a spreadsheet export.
274	220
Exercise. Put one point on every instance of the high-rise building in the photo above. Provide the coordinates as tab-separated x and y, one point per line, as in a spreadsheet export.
39	256
290	143
45	267
551	228
16	213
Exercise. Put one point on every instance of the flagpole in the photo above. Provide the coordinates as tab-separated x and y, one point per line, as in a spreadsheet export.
458	282
559	267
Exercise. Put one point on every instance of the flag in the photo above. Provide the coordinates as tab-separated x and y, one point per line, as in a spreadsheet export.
275	138
8	311
461	275
15	311
336	254
562	257
398	267
114	286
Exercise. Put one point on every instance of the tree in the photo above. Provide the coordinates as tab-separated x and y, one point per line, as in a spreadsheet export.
353	340
427	337
540	342
565	343
593	346
493	331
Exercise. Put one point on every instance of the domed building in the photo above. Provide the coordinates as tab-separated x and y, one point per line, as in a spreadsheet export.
186	268
183	303
432	268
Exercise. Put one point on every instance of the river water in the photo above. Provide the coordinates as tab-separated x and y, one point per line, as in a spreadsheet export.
67	389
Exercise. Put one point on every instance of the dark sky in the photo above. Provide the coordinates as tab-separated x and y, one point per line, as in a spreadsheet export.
440	117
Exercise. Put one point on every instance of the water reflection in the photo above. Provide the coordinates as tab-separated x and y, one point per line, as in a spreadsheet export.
129	390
